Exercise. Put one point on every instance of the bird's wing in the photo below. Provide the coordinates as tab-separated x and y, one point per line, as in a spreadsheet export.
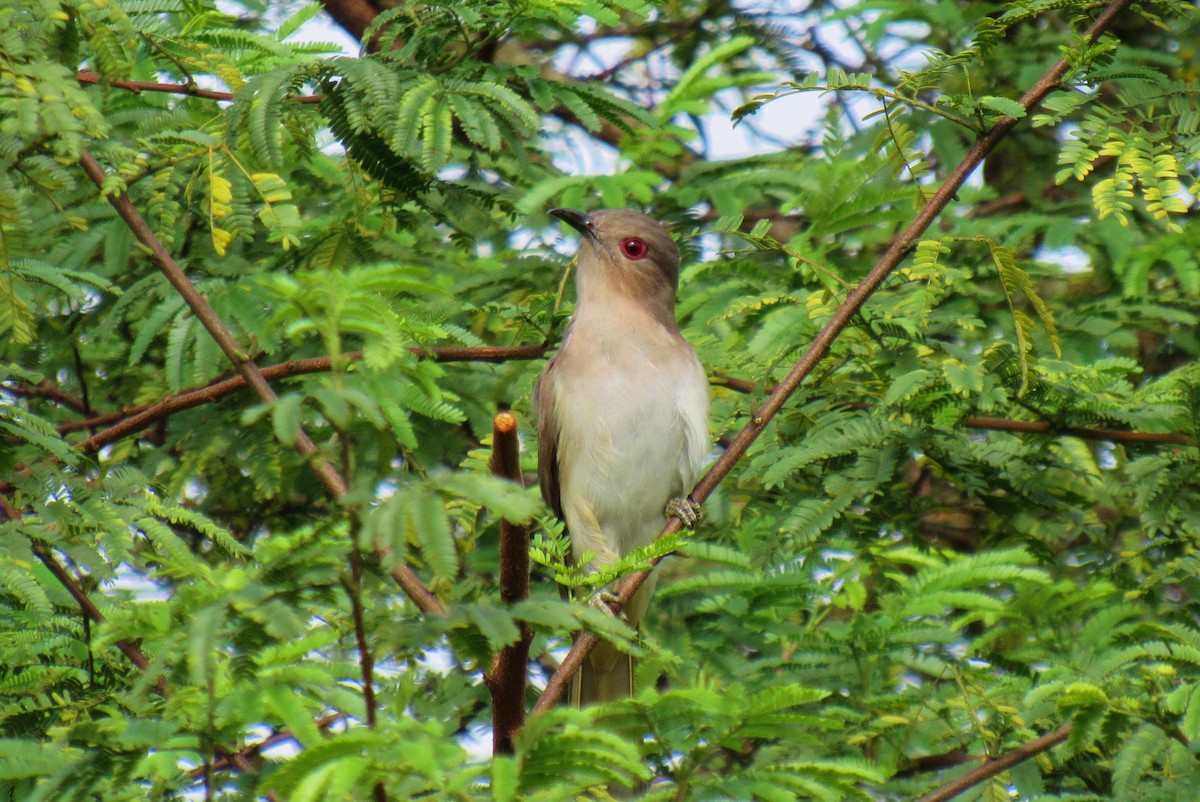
693	411
548	433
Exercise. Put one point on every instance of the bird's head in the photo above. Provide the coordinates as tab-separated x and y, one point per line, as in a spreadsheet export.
627	251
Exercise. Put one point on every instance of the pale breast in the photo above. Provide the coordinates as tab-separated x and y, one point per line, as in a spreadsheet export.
633	418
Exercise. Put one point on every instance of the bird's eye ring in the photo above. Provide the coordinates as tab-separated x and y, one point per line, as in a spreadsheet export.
635	248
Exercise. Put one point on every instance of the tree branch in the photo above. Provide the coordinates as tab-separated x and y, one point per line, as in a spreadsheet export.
421	596
190	89
816	351
130	649
244	755
133	419
1009	425
355	16
928	763
1003	763
366	662
48	390
507	677
1045	427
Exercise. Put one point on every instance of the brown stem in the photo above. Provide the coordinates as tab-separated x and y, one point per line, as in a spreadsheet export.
366	663
325	471
820	346
131	420
128	648
927	763
178	89
353	15
1008	425
49	390
507	677
1012	200
134	419
255	749
993	767
1045	427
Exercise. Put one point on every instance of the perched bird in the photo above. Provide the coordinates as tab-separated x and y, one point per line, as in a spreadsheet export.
622	412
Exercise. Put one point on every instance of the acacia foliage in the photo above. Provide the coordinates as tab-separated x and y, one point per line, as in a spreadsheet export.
882	593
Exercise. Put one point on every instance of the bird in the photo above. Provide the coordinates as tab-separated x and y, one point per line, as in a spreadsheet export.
622	411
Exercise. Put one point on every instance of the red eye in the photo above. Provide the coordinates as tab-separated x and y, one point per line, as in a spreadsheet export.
635	248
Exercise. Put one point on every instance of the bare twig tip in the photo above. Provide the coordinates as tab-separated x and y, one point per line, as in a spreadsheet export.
504	422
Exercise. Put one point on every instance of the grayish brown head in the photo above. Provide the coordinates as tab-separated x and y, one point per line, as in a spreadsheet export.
626	253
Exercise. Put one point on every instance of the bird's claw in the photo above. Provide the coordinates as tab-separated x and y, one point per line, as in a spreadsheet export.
685	510
603	601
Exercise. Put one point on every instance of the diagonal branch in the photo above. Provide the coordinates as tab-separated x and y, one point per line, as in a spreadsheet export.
816	351
324	469
1003	763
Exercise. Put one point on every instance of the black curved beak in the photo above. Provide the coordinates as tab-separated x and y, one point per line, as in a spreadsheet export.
576	220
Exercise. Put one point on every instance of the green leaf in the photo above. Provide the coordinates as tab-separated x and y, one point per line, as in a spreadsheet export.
351	745
905	386
502	497
428	522
1003	105
285	418
504	779
496	625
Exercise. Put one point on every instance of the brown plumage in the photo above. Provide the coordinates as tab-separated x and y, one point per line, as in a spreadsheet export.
622	410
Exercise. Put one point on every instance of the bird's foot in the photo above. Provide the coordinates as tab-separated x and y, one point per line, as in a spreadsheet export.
604	601
685	510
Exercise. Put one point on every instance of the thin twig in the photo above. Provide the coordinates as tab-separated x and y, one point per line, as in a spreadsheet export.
928	763
507	677
255	749
48	390
416	590
1045	427
189	89
816	351
366	662
128	648
1003	763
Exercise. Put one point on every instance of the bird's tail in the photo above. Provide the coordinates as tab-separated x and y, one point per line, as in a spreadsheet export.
607	673
605	676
